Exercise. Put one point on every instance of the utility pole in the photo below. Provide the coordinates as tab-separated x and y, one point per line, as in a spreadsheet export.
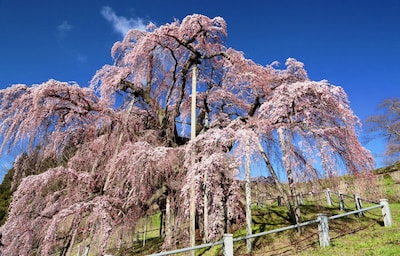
192	210
248	197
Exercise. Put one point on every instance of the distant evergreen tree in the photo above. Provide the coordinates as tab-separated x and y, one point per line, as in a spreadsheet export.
5	195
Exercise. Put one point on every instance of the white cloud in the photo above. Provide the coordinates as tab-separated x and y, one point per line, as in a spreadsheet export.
63	29
120	23
65	26
82	58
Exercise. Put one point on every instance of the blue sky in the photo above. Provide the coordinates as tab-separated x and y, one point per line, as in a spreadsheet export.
354	44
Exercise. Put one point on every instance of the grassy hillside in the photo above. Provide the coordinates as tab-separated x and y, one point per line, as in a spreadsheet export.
367	239
350	235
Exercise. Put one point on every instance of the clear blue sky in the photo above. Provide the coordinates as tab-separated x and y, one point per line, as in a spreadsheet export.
354	44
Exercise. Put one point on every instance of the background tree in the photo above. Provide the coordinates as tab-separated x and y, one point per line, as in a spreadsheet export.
5	195
124	141
386	125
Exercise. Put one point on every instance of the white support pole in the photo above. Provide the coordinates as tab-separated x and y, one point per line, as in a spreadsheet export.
387	215
228	245
192	192
145	231
323	228
248	198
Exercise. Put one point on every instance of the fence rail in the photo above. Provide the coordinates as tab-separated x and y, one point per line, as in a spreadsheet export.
353	212
201	246
275	230
322	220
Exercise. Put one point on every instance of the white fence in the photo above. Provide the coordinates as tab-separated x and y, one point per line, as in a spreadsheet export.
322	220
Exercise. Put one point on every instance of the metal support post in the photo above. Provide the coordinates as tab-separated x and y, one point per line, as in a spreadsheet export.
228	245
323	228
387	215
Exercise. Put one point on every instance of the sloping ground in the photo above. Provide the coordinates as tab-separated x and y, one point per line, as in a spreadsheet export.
350	235
373	239
389	169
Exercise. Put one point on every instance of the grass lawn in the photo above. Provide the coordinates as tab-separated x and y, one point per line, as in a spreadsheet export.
371	240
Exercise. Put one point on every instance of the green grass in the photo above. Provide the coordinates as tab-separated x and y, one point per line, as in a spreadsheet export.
372	240
152	227
350	235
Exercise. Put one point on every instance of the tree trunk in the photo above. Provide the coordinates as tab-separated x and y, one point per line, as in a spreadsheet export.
257	193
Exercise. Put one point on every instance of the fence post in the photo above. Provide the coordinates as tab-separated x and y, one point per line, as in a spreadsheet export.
323	229
301	200
328	197
145	231
341	201
86	253
228	244
358	203
261	200
387	215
